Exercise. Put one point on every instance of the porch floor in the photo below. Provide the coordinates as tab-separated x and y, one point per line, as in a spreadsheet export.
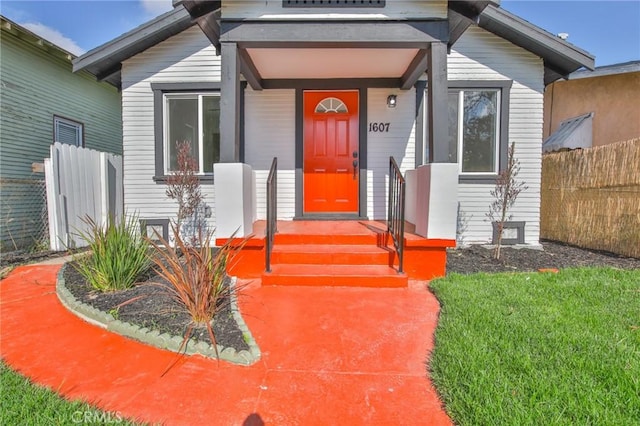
352	253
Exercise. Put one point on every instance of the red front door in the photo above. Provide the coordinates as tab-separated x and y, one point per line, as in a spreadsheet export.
331	155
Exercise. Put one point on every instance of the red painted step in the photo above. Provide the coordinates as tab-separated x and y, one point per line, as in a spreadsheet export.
335	275
331	254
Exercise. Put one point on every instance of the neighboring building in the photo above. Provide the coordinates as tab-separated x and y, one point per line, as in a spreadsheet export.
333	89
602	102
43	101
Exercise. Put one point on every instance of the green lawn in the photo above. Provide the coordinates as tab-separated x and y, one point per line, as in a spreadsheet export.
539	349
22	403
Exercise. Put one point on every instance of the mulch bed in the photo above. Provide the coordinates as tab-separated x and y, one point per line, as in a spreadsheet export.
148	304
473	259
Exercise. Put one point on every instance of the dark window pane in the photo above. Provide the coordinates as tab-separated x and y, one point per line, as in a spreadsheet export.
480	130
211	136
183	126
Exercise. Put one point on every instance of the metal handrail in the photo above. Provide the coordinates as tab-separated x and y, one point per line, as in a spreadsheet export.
395	218
272	211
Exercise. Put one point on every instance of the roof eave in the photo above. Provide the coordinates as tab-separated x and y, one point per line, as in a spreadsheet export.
104	61
560	57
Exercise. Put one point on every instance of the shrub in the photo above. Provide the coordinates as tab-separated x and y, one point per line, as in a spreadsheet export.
196	278
119	254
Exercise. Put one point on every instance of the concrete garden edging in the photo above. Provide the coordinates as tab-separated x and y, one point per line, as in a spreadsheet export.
154	337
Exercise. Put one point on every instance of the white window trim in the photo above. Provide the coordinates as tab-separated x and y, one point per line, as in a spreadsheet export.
496	153
80	129
165	127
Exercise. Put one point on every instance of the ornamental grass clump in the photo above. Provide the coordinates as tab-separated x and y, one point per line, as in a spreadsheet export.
119	255
196	277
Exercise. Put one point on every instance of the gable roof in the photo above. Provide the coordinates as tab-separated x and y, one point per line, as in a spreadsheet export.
560	57
105	61
30	37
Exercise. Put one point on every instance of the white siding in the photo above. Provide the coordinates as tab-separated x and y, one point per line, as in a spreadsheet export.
480	55
394	9
398	142
270	132
186	57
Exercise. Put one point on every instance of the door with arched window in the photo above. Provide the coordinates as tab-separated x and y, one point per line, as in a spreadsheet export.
331	152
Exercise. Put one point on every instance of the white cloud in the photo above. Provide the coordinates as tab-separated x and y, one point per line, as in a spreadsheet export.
54	36
157	7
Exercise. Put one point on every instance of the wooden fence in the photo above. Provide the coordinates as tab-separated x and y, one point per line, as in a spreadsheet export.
591	198
80	183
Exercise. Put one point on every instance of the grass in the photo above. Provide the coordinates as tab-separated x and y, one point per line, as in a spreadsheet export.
533	349
23	403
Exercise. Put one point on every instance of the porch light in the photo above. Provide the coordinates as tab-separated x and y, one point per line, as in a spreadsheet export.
391	101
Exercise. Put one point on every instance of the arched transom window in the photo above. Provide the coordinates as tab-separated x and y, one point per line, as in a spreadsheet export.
331	105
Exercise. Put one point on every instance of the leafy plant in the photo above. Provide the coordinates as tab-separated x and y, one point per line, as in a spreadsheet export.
119	255
504	194
196	278
184	186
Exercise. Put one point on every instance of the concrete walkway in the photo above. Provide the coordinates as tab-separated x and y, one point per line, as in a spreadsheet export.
330	356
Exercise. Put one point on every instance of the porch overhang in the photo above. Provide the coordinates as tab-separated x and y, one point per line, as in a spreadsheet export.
274	51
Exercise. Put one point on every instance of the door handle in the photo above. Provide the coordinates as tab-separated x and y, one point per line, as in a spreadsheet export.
355	169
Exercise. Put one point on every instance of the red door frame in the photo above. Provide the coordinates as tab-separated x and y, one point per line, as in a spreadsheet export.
331	151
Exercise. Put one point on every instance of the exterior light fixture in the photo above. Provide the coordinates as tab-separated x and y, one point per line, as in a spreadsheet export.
391	101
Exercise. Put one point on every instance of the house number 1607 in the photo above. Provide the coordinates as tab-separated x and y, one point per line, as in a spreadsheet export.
379	127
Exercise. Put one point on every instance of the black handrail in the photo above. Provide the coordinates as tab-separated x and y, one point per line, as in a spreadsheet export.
395	218
272	210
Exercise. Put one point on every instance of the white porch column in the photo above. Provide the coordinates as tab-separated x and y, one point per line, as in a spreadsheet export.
437	201
234	199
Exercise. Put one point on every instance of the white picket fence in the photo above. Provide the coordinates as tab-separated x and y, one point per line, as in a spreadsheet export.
80	183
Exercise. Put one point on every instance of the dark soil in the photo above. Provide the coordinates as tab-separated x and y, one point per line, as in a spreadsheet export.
149	304
476	258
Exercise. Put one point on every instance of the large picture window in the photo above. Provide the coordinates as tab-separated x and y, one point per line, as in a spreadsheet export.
474	130
193	117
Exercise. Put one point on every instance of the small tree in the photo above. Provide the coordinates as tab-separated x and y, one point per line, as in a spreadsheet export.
504	195
184	187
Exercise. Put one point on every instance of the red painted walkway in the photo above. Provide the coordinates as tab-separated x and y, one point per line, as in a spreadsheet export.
339	356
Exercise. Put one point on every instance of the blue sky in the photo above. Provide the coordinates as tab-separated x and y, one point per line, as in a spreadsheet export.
608	29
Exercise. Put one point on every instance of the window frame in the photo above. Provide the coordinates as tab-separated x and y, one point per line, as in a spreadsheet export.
160	90
460	93
504	88
199	97
68	121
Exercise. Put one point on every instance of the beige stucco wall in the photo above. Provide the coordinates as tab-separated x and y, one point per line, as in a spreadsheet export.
613	98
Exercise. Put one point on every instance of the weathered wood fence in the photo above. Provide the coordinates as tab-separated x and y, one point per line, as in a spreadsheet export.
591	198
80	183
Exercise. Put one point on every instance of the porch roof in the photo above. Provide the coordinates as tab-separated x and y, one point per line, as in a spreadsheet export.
560	57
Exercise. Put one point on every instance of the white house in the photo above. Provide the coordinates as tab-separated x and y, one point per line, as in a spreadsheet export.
333	89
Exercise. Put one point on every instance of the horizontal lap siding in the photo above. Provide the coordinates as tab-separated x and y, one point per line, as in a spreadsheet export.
480	55
34	86
398	142
186	57
394	9
270	132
